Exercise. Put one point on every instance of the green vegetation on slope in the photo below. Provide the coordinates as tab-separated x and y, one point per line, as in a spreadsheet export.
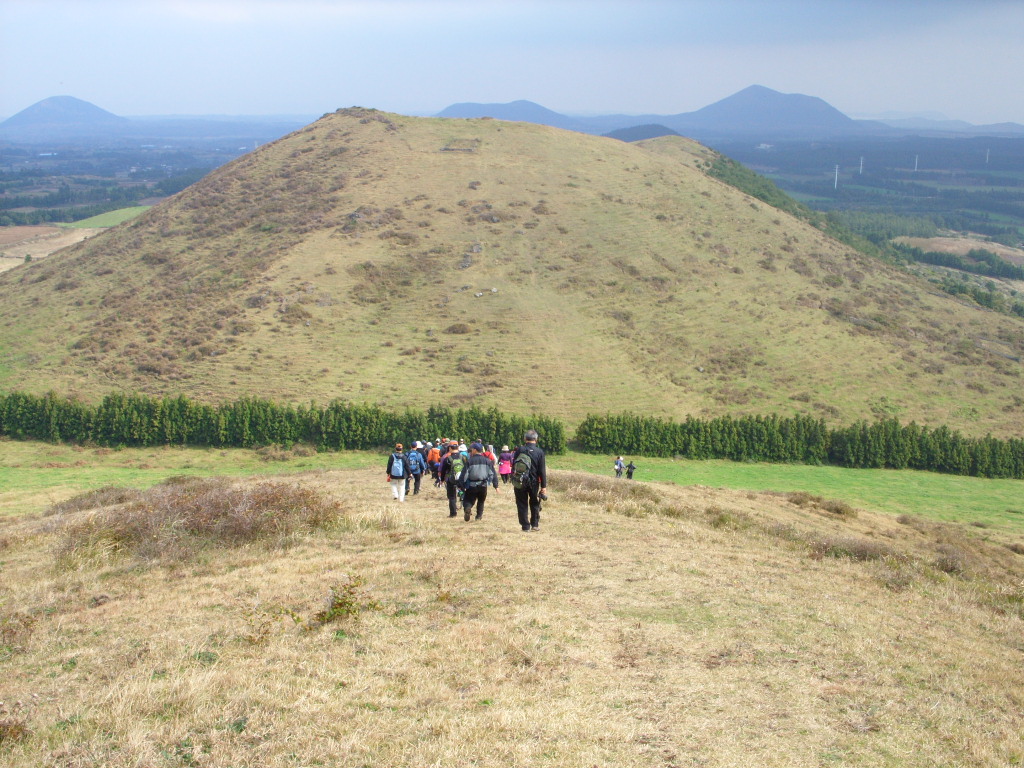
137	420
952	184
882	443
742	178
111	218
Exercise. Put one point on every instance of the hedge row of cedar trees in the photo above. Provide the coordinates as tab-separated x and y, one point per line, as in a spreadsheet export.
804	440
138	421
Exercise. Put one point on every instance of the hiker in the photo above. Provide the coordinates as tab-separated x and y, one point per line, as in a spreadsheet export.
476	475
529	481
505	464
630	469
442	452
619	466
448	473
433	460
417	466
398	470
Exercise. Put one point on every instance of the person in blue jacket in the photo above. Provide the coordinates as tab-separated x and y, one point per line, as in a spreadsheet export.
417	466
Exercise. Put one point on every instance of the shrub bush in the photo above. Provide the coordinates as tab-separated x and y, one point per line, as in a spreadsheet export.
13	729
106	496
839	508
851	547
950	559
346	600
181	518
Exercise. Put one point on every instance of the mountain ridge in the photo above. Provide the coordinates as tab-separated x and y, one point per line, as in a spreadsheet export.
755	111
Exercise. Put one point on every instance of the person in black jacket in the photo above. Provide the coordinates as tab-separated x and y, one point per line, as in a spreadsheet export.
476	476
448	474
531	488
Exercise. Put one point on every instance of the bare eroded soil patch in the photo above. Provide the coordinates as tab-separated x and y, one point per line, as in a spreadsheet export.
38	242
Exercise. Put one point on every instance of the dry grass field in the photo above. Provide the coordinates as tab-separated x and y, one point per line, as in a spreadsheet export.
310	620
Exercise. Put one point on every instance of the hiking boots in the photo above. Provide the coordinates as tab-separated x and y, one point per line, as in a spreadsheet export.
467	515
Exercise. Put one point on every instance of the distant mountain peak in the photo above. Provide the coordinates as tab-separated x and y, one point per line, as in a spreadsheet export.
759	107
519	111
62	110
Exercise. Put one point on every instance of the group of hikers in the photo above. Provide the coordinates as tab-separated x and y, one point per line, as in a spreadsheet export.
465	472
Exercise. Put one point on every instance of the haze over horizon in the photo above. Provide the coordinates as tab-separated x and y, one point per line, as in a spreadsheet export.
958	58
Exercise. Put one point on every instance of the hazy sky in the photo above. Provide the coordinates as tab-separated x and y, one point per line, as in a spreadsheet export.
962	58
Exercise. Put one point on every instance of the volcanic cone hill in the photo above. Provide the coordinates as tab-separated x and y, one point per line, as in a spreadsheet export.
418	261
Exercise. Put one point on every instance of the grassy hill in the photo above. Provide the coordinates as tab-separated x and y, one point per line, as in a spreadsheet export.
412	261
645	625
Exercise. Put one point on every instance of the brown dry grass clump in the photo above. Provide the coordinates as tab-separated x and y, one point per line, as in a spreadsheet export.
184	515
644	625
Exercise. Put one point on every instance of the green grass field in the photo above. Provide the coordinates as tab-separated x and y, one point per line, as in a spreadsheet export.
110	218
949	498
35	475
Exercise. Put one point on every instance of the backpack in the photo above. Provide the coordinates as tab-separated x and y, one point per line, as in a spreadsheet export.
522	471
416	463
397	465
456	468
479	474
